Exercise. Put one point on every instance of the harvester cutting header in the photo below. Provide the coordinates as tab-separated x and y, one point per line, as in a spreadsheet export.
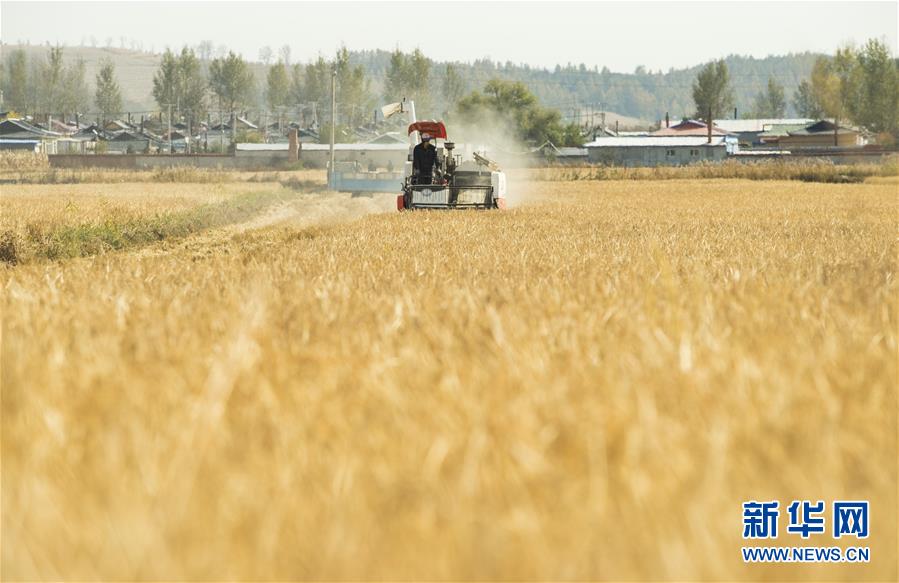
438	178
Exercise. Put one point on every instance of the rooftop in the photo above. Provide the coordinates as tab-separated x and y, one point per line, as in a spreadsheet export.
319	147
822	127
758	125
781	129
655	142
689	127
19	128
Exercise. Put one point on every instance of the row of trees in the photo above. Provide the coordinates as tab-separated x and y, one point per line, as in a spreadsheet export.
310	84
861	86
51	85
184	82
45	84
508	109
713	93
855	86
408	75
228	84
180	82
108	95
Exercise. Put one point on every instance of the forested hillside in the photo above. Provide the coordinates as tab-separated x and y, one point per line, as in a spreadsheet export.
642	94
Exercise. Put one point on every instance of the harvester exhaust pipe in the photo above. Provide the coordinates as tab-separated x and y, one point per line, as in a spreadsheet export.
450	160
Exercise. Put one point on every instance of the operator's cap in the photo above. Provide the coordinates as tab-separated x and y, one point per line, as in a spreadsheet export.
425	137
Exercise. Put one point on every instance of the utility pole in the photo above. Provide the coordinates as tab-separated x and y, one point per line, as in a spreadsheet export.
189	135
171	148
333	118
221	132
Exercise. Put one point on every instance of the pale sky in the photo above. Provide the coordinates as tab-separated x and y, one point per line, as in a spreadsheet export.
620	35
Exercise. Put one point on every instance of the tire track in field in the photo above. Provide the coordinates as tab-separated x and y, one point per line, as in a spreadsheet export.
318	209
304	211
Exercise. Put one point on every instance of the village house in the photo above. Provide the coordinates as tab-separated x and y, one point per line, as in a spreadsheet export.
128	143
18	134
750	132
658	150
821	134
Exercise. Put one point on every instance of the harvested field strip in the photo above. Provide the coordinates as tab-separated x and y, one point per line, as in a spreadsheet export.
128	230
180	175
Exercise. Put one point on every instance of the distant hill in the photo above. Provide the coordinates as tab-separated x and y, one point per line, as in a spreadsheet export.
637	98
643	95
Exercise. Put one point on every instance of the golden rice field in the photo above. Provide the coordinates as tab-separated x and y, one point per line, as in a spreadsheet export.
587	386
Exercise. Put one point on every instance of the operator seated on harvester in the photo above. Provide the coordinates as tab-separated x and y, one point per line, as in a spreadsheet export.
425	162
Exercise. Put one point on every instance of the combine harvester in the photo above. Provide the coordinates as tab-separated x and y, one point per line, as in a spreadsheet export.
460	184
476	183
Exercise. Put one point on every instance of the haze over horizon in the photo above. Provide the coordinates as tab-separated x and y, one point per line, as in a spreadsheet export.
617	35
